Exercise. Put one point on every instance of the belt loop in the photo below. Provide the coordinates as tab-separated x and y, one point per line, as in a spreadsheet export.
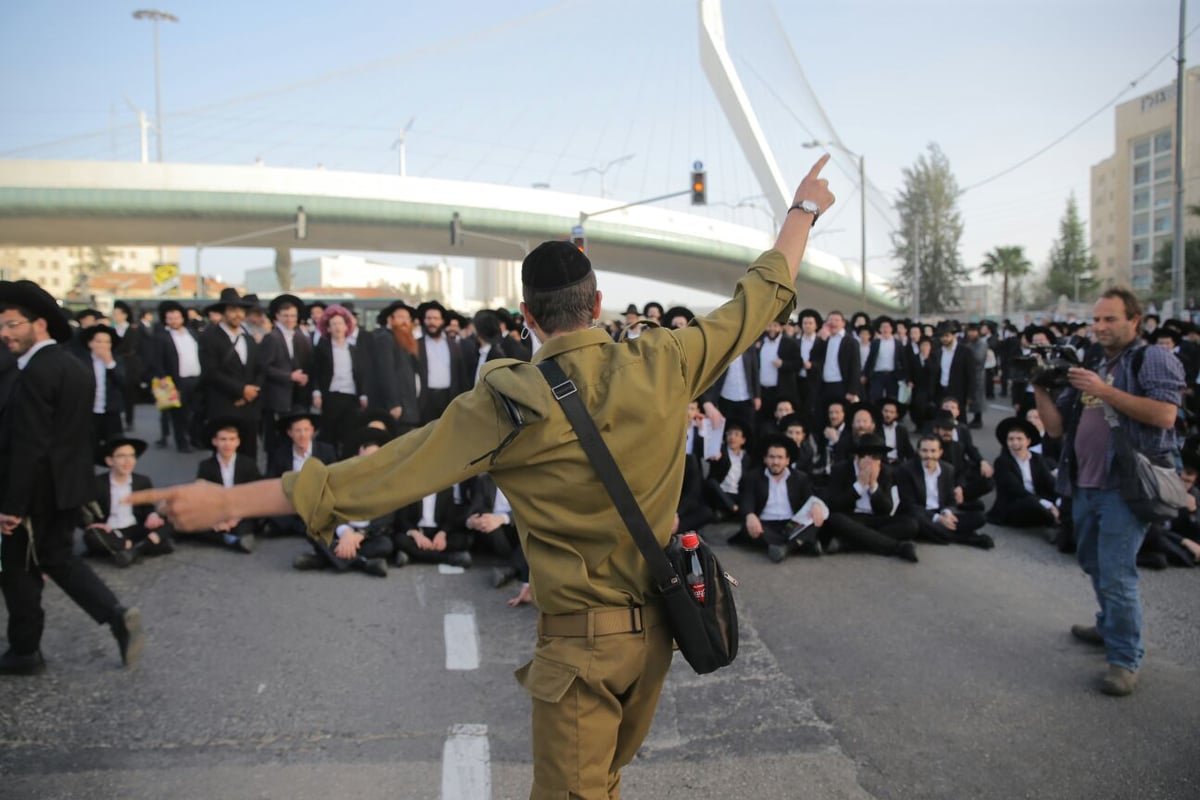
637	620
591	629
539	624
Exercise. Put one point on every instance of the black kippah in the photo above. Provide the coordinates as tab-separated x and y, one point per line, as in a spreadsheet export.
554	265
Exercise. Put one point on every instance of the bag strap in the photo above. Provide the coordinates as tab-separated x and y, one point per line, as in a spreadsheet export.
567	394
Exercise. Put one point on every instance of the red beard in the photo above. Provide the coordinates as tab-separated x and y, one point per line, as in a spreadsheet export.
404	338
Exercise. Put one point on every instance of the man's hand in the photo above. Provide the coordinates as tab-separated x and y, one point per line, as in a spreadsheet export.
249	393
853	398
753	526
439	541
316	402
100	526
757	403
299	377
675	525
958	496
485	523
199	506
396	412
832	435
818	514
814	187
154	521
950	520
423	541
1191	503
985	469
714	414
348	544
777	363
8	523
1090	382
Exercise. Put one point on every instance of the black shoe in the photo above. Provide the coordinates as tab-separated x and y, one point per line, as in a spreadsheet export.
776	552
1088	634
124	558
161	444
372	566
832	547
982	541
245	543
812	548
976	422
502	576
459	558
907	551
127	628
307	561
400	559
16	664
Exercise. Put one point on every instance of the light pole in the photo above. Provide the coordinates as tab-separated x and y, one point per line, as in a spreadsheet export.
156	17
862	182
601	170
399	145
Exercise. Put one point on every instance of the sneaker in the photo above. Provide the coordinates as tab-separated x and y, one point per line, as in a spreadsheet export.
1118	681
502	576
776	552
373	566
1088	634
307	561
17	664
907	551
127	629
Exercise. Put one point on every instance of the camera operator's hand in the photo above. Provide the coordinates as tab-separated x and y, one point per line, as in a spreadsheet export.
1087	381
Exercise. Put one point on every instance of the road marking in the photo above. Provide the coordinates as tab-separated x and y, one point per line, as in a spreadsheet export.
997	407
466	774
448	569
462	641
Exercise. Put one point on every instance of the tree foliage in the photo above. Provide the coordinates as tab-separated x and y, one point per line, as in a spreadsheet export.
929	234
1162	266
1072	266
1007	262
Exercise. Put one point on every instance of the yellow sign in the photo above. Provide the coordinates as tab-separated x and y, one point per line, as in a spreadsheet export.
166	279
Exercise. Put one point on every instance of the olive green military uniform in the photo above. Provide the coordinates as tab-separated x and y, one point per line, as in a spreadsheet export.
594	690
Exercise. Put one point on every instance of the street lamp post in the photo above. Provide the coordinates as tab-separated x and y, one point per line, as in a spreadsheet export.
156	17
862	182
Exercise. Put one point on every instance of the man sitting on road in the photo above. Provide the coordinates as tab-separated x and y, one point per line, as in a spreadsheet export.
930	496
863	501
229	468
298	444
770	498
115	529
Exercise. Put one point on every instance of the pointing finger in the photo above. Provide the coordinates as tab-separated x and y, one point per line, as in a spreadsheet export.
146	497
817	167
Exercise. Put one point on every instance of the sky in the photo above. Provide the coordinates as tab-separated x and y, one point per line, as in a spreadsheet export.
549	91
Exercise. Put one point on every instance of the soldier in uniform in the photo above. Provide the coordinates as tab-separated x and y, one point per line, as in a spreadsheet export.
603	646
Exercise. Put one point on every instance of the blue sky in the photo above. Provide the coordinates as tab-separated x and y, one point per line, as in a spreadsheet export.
533	91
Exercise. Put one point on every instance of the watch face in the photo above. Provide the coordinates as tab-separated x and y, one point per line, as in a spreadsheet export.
809	206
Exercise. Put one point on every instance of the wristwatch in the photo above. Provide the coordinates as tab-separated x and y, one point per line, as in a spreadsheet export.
808	207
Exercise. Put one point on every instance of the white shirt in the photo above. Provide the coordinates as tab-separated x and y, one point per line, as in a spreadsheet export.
187	351
120	515
437	353
947	360
735	387
23	361
806	346
832	372
227	471
298	459
885	356
343	369
100	370
501	506
889	438
778	506
734	477
239	342
768	373
289	336
864	352
1026	472
484	350
932	501
428	506
863	504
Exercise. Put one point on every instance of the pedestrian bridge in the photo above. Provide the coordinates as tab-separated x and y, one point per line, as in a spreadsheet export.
91	203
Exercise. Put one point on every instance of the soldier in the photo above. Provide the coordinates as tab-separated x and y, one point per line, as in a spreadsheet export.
604	645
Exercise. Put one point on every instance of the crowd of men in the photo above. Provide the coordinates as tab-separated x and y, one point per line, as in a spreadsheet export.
828	435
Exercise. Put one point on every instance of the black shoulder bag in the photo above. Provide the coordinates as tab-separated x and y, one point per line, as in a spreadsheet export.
707	634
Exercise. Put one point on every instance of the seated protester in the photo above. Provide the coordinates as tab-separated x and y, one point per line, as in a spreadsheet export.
1025	496
1176	542
489	515
773	426
863	501
113	528
1049	449
962	431
433	530
228	468
692	513
375	418
723	486
363	545
863	422
929	494
770	497
693	443
296	445
895	435
969	466
835	439
796	429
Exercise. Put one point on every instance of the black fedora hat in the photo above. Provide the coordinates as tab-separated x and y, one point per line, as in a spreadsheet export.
281	300
366	416
254	303
170	305
779	440
38	302
901	408
944	419
391	308
360	437
430	305
882	319
678	311
230	297
632	309
110	446
652	304
946	326
285	420
852	411
1025	426
811	312
87	334
871	445
215	426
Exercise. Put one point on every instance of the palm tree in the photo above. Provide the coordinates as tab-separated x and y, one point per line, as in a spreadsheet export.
1006	262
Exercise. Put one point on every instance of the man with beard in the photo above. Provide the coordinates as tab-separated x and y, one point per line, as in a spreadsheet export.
177	356
233	371
443	376
837	362
45	478
778	367
929	495
287	359
806	384
392	380
886	363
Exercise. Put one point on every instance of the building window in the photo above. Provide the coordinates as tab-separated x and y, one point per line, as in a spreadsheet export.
1162	142
54	281
1141	149
1162	196
1141	200
1141	251
21	263
1162	222
1162	168
1141	224
1141	174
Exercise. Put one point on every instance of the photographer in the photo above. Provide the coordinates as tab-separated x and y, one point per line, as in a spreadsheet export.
1143	386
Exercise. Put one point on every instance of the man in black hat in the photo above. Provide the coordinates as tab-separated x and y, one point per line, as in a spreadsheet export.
631	328
973	473
443	374
109	376
130	346
45	478
312	316
837	363
807	387
233	370
111	527
977	347
954	366
863	501
395	366
887	362
177	357
228	467
1025	496
778	369
287	359
295	445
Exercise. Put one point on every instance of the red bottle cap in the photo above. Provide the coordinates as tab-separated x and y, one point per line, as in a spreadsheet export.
690	541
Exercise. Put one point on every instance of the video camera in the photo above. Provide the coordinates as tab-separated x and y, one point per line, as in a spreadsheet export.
1046	366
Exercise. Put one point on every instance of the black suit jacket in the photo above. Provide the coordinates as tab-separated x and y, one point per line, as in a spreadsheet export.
840	495
470	352
750	364
50	425
756	487
849	361
459	382
280	393
360	364
1009	484
901	359
114	382
904	448
166	358
279	460
446	514
225	376
104	496
961	369
392	378
910	479
244	470
789	372
131	348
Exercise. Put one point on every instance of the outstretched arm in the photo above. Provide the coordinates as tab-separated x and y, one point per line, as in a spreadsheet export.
203	505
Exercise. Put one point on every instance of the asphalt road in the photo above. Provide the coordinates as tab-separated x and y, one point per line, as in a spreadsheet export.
858	677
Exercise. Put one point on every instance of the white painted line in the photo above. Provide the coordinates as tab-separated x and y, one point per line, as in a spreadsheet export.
998	407
448	569
462	641
466	773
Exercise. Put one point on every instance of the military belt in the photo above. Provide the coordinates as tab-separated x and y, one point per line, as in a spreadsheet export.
601	621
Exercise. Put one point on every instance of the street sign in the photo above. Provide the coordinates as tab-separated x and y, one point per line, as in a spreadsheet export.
165	279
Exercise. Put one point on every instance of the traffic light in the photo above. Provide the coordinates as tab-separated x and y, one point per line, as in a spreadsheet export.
456	232
579	239
699	188
301	223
